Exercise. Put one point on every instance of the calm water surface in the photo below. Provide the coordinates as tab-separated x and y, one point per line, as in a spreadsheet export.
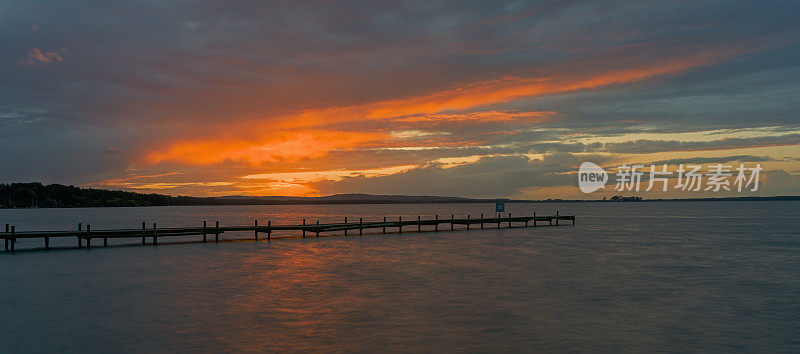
672	276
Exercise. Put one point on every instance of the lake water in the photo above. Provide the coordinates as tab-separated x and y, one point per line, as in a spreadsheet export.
671	276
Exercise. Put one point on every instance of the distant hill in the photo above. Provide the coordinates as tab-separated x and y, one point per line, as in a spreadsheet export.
27	195
362	198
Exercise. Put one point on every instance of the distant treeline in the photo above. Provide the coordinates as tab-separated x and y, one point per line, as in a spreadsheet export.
28	195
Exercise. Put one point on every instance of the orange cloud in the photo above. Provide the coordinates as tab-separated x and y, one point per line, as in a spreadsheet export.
272	147
37	57
124	180
290	137
482	116
504	90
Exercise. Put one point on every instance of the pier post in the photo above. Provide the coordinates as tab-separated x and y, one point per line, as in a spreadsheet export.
155	238
384	224
345	226
467	222
557	218
360	226
255	223
304	229
269	230
80	228
216	231
46	243
498	220
534	219
13	239
144	227
573	220
419	223
6	238
400	224
452	218
204	231
88	236
317	228
509	220
105	241
481	220
436	224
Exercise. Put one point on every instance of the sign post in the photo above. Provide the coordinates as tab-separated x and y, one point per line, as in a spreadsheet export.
499	208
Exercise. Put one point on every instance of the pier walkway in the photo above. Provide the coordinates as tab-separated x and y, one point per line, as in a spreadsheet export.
85	236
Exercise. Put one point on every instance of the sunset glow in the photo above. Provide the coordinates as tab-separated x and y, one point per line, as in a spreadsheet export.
392	103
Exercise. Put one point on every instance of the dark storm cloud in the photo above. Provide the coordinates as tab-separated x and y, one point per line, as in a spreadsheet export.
167	53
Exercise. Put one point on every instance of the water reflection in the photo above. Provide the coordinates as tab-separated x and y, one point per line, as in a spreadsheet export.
651	276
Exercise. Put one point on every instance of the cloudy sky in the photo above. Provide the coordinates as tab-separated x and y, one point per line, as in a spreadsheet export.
477	99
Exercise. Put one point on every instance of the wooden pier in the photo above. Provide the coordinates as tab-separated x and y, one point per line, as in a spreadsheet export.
85	235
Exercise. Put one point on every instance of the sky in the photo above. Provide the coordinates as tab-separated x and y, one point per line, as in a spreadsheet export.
460	98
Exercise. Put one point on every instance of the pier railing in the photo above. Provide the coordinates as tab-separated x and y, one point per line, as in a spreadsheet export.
84	236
